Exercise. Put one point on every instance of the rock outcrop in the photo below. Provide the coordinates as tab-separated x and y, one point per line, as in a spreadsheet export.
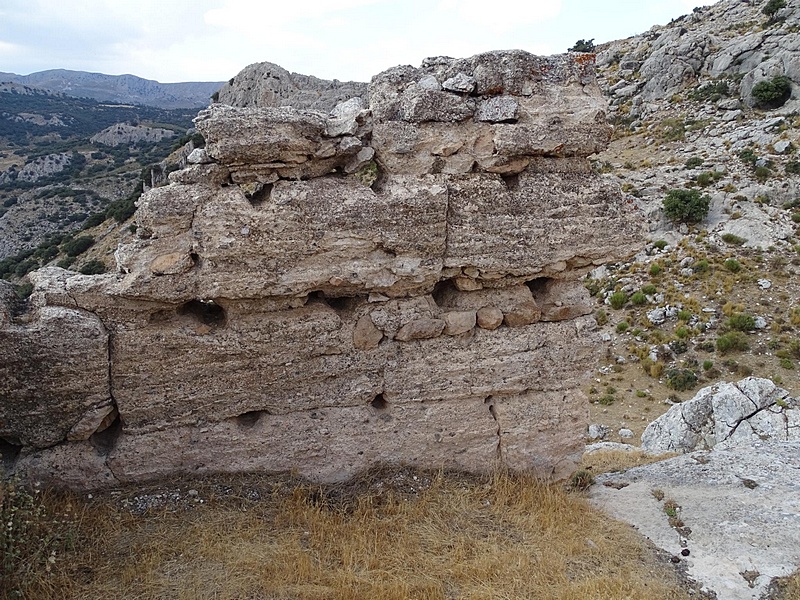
397	280
726	414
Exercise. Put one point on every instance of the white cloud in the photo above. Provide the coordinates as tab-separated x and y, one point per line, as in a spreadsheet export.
502	15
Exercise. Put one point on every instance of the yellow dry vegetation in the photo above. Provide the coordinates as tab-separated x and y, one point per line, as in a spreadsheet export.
393	534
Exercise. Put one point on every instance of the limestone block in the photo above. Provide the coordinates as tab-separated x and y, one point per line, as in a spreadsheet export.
52	370
459	321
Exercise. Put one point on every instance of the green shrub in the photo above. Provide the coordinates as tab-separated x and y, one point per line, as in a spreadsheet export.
655	269
792	168
762	173
681	379
772	7
773	93
93	267
649	289
583	46
618	300
707	364
684	315
660	244
733	341
622	327
686	206
701	266
747	156
733	265
78	245
639	298
601	317
733	240
673	130
710	91
693	162
741	322
682	332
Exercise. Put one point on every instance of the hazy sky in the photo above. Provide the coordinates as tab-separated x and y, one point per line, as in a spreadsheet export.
212	40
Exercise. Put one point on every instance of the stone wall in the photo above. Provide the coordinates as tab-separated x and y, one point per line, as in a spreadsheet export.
397	280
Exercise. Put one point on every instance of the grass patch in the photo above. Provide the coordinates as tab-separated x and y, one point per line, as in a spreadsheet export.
393	534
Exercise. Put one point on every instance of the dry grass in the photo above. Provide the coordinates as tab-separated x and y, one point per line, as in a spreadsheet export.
612	461
395	534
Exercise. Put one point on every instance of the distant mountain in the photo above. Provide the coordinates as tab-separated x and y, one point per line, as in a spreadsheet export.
123	89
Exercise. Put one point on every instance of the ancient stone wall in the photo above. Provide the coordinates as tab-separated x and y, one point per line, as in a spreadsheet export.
397	280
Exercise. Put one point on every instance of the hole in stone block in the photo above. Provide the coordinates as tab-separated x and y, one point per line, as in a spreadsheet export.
104	441
9	452
442	291
539	288
257	193
511	181
207	312
379	402
250	418
341	303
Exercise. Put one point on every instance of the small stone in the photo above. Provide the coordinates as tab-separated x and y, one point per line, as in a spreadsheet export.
764	284
460	83
429	82
193	493
498	109
420	329
625	433
459	321
365	335
597	431
760	323
782	146
523	314
489	317
199	156
657	316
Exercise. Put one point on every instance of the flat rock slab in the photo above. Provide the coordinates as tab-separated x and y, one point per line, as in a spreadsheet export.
740	509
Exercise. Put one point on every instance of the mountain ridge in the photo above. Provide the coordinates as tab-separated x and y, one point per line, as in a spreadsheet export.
126	89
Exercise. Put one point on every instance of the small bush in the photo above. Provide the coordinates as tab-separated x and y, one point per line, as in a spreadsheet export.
772	7
733	265
701	266
660	244
693	162
733	341
622	327
583	46
707	364
618	300
655	269
649	289
93	267
681	379
77	246
639	298
733	240
686	206
601	317
742	322
773	93
762	173
792	168
581	480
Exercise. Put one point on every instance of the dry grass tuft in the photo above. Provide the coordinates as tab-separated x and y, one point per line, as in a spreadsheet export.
612	461
392	534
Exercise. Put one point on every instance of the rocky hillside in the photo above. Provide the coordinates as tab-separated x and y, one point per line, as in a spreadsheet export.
67	164
123	89
705	121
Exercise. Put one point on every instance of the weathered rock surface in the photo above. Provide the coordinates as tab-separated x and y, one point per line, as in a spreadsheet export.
739	512
395	279
726	414
125	133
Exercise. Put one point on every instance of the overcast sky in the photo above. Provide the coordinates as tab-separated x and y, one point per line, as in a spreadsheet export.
212	40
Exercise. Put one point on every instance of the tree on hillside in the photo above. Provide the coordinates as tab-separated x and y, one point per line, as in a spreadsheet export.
772	7
686	206
583	46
